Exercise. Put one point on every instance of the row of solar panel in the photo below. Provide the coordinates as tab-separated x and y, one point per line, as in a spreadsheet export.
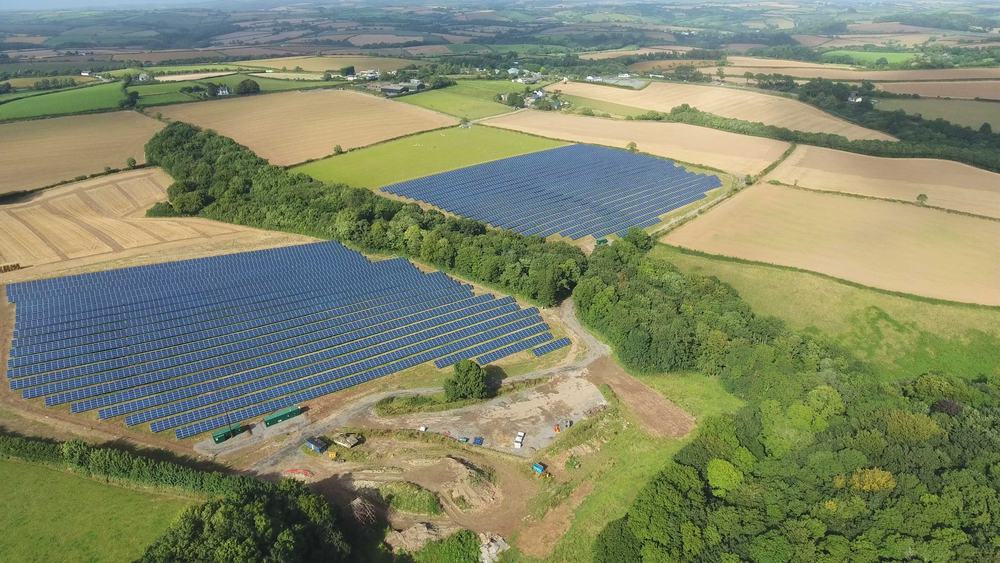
551	347
281	320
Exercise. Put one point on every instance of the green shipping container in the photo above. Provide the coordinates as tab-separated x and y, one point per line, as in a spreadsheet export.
220	436
283	414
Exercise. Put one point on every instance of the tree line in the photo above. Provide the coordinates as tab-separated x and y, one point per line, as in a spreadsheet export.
217	178
826	462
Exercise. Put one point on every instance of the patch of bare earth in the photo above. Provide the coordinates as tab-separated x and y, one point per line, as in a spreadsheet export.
654	412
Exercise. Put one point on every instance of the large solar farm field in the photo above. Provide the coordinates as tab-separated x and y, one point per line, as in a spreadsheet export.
946	184
40	153
99	224
573	191
919	251
423	154
192	346
727	102
737	154
293	127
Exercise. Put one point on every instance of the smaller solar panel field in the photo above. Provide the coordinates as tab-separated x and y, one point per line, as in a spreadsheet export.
573	191
196	345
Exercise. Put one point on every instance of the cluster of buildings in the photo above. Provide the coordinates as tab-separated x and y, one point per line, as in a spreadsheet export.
401	88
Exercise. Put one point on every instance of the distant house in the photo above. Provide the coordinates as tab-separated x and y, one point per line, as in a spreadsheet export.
513	71
222	91
624	75
370	74
144	77
85	73
855	98
395	89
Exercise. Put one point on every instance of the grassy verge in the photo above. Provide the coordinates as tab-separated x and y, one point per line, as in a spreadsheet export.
53	515
407	404
902	335
587	106
423	154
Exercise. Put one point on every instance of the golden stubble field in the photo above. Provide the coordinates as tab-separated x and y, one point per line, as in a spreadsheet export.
881	244
293	127
985	89
946	184
39	153
833	72
738	154
98	224
331	63
727	102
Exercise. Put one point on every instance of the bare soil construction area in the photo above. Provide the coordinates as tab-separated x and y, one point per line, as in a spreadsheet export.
292	127
983	89
39	153
98	224
880	244
730	152
727	102
946	184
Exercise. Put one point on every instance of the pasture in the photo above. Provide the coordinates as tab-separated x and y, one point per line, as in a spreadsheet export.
970	113
471	99
43	152
331	62
192	76
29	81
293	127
55	515
984	89
166	92
64	102
423	154
946	184
920	251
902	334
727	102
99	223
730	152
587	106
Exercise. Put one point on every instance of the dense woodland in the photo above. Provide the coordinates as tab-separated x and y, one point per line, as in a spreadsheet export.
218	178
825	463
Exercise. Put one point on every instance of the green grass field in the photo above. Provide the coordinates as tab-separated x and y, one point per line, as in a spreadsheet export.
579	104
423	154
52	515
903	336
162	93
970	113
869	57
471	99
64	102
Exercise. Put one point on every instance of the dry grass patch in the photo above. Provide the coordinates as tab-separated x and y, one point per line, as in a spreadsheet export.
946	184
985	89
293	127
778	63
730	152
615	53
39	153
670	64
331	63
880	244
99	224
727	102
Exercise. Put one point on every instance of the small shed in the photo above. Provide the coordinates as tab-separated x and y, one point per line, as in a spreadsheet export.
317	445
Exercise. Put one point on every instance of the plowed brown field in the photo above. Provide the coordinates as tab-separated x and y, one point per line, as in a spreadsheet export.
986	89
292	127
727	102
880	244
734	153
39	153
947	184
99	224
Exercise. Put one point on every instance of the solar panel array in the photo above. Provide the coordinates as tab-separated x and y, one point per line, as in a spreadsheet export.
574	191
196	345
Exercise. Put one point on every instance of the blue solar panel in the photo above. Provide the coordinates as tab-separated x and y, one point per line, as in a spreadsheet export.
194	345
573	191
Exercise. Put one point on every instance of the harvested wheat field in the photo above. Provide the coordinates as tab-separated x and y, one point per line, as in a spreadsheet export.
735	73
946	184
293	127
984	89
779	63
669	64
39	153
727	102
331	63
737	154
612	54
99	223
918	251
